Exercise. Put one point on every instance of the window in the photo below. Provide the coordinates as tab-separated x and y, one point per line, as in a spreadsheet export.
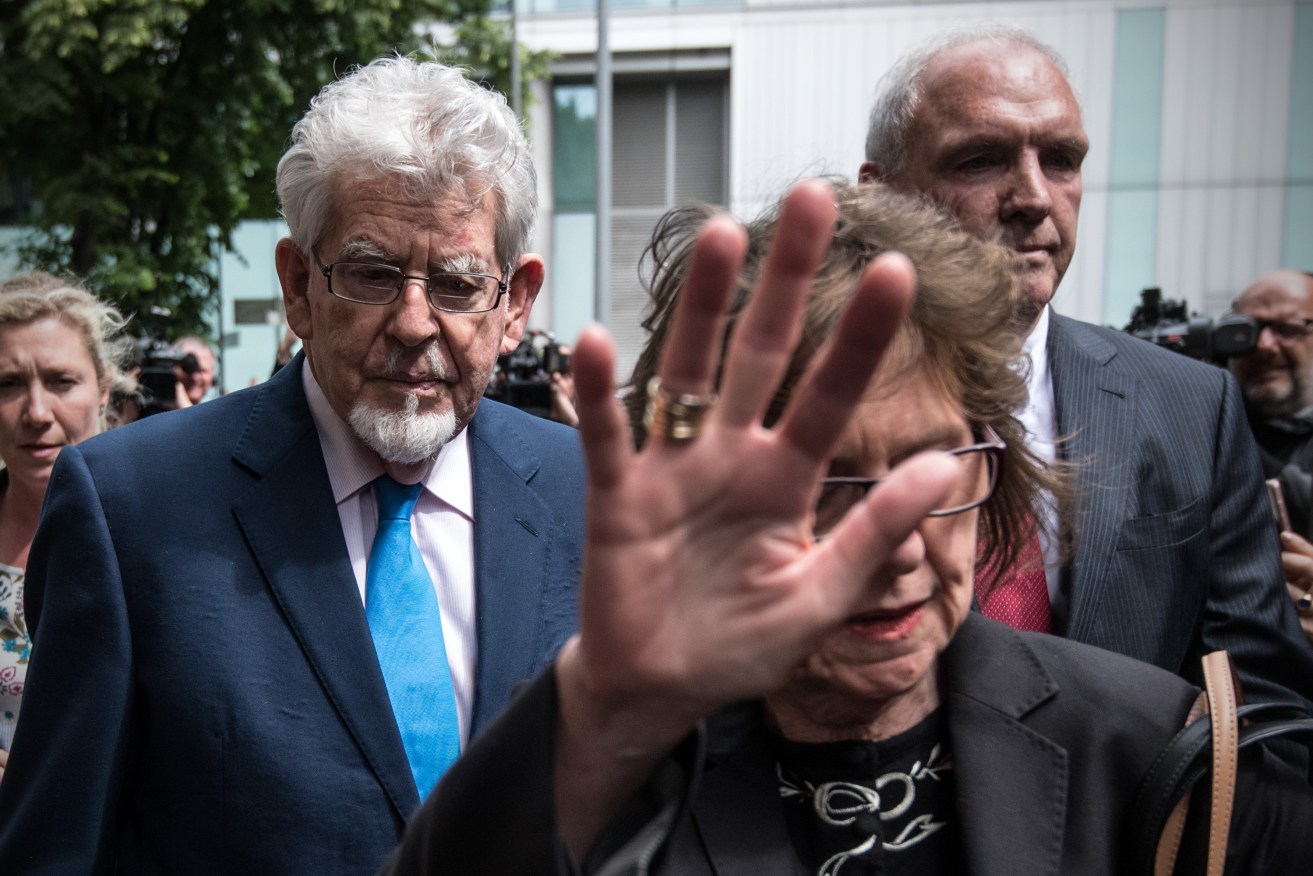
669	148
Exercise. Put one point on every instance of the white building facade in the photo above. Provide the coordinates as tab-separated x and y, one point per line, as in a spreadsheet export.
1200	116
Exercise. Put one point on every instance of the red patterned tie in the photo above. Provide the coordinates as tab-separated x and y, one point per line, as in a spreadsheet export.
1020	597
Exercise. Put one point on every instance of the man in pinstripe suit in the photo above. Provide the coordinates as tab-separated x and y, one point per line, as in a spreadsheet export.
1175	551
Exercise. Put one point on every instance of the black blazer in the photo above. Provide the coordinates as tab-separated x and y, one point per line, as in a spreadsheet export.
1050	740
204	696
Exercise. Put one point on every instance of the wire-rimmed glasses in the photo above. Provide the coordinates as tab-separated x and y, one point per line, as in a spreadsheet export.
449	291
1286	329
981	464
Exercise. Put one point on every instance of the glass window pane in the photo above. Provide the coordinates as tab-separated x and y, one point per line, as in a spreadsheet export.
700	141
638	151
574	148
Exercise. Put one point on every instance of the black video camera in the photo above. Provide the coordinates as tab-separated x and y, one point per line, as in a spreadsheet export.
156	359
523	377
1169	324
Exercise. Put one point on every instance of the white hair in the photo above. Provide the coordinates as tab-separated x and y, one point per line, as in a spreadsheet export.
422	124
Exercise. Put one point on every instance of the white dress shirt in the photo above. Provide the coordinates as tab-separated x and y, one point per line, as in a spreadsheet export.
1040	421
442	525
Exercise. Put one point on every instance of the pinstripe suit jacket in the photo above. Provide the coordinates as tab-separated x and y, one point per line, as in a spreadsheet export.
1176	553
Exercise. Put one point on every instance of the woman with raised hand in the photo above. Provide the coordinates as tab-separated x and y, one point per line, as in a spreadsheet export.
778	670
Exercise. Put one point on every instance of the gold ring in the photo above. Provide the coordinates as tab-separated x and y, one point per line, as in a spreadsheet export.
1305	603
676	417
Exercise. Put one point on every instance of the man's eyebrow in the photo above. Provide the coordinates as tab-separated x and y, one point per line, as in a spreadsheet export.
367	250
956	148
465	263
988	142
363	248
975	140
1078	145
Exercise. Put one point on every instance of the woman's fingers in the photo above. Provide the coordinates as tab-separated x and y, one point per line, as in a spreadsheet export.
692	345
769	328
824	401
602	424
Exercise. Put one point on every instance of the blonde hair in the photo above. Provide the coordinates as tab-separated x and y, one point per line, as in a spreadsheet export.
38	295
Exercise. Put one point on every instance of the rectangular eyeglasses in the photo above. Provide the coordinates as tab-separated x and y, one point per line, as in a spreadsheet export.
448	291
981	464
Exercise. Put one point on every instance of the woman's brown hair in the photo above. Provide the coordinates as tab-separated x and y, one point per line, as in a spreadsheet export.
962	332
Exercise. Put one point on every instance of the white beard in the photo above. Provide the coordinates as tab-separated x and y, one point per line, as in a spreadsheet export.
406	436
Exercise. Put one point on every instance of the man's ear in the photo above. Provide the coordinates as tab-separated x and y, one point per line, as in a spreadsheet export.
869	172
525	284
293	268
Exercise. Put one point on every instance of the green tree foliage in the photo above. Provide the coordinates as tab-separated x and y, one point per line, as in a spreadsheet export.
147	129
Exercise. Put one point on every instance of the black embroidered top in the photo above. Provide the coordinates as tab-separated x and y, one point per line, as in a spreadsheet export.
857	807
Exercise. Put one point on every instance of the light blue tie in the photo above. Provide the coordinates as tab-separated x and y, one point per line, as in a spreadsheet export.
406	624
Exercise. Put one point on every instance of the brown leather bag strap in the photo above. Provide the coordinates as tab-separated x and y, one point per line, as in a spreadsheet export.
1224	699
1220	700
1169	843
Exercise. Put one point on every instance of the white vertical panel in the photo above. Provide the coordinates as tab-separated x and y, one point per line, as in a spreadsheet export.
1196	203
1265	242
1223	109
1226	94
1241	250
1081	294
1175	215
1180	146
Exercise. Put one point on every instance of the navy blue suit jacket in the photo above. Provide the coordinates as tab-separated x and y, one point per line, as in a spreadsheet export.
204	695
1176	553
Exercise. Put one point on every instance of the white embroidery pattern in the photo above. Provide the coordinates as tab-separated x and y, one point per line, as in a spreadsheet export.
840	804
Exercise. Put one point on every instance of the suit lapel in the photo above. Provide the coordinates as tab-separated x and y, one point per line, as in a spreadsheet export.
1012	781
1094	404
738	815
1017	824
291	523
513	531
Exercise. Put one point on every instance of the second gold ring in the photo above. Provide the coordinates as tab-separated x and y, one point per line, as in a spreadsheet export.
678	417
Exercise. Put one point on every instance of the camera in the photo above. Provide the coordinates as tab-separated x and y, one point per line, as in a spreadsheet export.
1169	324
155	358
523	377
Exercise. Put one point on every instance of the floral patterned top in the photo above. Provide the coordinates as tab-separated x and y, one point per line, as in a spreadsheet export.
15	647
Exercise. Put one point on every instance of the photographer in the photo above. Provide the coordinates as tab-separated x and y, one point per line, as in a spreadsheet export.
1277	376
167	375
1277	381
563	397
196	375
536	378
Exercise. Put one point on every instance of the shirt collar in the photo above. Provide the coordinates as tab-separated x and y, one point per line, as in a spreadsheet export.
1036	348
352	466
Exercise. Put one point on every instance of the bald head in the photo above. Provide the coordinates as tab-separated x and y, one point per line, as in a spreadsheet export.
196	383
1281	285
989	128
1277	377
